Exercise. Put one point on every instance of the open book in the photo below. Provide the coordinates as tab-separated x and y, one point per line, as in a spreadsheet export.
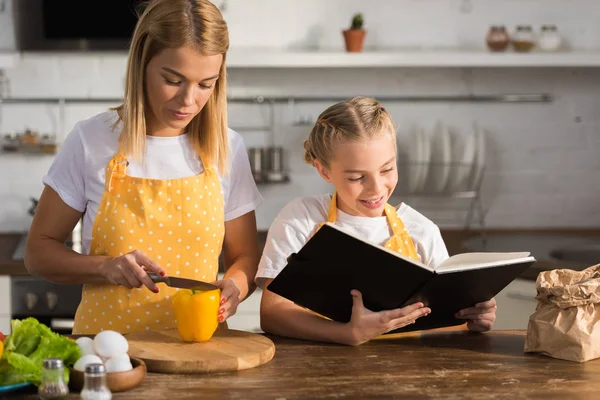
332	263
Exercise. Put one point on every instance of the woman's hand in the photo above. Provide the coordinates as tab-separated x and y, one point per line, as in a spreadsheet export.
481	317
131	270
230	298
365	324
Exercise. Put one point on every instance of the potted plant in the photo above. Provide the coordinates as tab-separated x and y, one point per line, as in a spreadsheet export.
355	35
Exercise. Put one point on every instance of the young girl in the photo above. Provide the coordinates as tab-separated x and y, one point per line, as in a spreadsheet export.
353	147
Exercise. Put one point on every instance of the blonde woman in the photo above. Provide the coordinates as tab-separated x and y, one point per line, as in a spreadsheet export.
161	182
353	147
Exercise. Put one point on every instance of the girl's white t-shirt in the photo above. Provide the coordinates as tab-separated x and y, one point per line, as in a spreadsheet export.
77	173
300	219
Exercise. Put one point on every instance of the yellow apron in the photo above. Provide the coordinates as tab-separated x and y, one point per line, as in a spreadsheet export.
179	223
400	241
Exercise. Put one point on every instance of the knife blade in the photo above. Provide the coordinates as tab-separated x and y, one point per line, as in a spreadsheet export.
182	283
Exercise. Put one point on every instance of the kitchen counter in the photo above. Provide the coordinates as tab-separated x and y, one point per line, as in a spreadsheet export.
540	242
442	365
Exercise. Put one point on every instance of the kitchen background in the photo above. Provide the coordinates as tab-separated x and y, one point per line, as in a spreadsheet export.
541	157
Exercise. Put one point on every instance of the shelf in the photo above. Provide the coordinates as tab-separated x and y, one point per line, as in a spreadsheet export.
8	59
483	98
388	58
266	58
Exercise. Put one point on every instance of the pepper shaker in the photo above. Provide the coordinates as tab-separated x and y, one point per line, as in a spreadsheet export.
53	384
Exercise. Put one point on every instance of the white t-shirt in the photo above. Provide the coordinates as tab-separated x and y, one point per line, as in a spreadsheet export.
300	219
77	173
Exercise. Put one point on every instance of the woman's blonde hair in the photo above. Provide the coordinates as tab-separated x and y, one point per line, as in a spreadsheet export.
173	24
354	119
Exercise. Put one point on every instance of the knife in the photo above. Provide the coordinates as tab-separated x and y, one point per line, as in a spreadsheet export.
182	282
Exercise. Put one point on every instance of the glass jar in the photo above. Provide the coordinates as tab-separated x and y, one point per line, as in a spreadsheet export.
523	39
53	384
47	144
550	39
11	142
497	38
94	383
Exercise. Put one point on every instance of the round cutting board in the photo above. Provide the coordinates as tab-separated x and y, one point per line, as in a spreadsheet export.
227	350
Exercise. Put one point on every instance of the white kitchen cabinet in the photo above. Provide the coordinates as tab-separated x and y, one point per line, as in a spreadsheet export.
247	317
516	303
5	325
5	296
5	304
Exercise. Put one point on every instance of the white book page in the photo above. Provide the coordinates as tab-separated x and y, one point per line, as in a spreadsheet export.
395	253
465	261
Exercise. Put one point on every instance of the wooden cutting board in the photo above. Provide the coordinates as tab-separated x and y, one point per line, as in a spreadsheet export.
227	350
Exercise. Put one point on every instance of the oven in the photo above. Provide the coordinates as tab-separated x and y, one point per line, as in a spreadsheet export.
50	303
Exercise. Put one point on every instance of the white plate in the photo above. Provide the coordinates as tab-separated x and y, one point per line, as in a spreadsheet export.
465	159
413	168
480	159
441	157
15	387
424	159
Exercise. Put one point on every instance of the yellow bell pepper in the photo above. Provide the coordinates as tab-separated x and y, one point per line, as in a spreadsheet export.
1	348
197	314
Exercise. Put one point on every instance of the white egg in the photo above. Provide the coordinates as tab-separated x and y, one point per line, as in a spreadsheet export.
109	344
119	364
86	345
85	360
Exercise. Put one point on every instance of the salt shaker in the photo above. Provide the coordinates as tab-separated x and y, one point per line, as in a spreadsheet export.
94	383
549	39
53	384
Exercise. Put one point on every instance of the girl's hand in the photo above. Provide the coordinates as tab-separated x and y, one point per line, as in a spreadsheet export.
365	324
230	298
481	317
131	270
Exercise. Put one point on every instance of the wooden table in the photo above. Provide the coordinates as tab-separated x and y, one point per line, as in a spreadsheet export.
444	365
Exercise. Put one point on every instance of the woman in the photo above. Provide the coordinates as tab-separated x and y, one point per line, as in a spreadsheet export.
162	184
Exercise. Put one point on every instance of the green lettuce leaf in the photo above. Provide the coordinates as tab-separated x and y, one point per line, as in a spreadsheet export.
26	348
21	369
25	336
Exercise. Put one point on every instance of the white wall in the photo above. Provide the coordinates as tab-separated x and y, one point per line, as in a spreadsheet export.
542	158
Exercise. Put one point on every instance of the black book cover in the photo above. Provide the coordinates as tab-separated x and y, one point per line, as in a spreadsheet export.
321	275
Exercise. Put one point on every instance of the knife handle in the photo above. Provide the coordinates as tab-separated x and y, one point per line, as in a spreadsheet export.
156	278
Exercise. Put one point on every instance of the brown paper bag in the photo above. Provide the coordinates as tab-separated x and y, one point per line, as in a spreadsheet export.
565	322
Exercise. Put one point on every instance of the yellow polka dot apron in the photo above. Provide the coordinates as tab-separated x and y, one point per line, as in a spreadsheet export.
400	241
179	223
